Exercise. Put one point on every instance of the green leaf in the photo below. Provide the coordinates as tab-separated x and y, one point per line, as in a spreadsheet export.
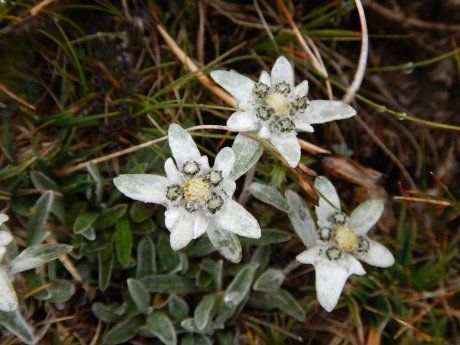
15	323
139	294
269	236
226	243
104	313
239	287
260	258
105	257
268	195
42	181
35	281
161	326
167	257
177	307
123	331
61	291
287	303
96	175
146	263
301	219
110	216
37	255
123	241
84	222
39	217
247	153
163	283
140	211
204	311
270	280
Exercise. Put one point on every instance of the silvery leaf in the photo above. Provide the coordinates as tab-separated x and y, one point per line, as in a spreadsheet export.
37	255
270	280
226	243
247	153
301	219
15	323
268	195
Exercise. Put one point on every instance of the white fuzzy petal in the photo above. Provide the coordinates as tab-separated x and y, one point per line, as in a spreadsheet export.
143	187
302	123
366	215
378	255
204	164
309	256
282	71
201	225
182	146
234	218
182	232
288	146
331	277
236	84
3	218
225	160
325	111
301	90
174	176
172	216
265	78
5	238
329	202
243	121
264	131
8	298
228	186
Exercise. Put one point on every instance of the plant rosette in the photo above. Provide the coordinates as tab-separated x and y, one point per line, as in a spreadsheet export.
276	109
198	198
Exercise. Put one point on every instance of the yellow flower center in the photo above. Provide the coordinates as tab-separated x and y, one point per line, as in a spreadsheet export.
197	189
279	103
345	237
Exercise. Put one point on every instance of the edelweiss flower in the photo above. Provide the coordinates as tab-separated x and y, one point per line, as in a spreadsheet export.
277	110
198	198
340	241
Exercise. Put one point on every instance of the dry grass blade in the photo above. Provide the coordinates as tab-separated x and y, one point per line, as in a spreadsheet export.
362	62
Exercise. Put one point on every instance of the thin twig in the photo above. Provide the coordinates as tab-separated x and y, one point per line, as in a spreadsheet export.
16	98
37	9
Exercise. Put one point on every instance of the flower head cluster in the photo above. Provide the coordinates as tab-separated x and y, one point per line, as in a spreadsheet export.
276	109
340	241
198	198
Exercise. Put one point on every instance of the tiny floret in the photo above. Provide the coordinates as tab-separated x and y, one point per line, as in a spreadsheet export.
174	192
191	168
345	237
333	253
214	177
197	189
